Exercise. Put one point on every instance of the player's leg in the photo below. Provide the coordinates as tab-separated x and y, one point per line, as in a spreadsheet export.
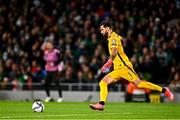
47	83
103	84
144	84
129	74
58	87
107	80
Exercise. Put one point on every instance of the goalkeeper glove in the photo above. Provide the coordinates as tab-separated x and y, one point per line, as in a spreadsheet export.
106	67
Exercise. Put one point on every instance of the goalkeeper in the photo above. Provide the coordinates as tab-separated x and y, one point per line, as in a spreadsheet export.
122	68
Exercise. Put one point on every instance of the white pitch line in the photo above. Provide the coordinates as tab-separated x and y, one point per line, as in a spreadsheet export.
61	115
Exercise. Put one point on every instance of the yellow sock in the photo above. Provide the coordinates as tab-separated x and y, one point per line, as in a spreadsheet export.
149	85
103	91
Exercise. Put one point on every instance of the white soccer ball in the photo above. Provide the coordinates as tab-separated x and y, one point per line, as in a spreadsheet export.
38	106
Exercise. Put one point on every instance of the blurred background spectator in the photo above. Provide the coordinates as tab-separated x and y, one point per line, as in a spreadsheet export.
151	31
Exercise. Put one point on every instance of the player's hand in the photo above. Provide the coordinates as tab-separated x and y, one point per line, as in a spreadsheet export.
105	70
106	67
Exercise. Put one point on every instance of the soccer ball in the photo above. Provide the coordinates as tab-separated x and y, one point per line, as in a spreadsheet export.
38	106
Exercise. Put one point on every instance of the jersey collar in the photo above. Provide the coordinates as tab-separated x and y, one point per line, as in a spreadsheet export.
111	34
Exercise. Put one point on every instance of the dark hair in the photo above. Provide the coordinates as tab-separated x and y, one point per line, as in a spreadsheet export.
106	24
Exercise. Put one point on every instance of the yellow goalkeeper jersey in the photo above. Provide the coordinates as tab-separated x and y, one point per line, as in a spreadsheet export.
121	59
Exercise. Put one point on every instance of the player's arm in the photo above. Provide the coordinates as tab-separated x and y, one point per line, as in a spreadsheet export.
114	47
107	65
114	52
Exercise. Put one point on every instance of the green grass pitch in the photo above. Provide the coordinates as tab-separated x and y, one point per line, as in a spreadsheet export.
81	110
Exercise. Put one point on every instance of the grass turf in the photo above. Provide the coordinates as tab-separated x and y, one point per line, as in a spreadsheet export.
78	110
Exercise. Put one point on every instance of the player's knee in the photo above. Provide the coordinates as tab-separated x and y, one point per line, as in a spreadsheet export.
102	83
136	82
108	80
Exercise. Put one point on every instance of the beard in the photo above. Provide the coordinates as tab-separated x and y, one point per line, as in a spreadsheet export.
105	35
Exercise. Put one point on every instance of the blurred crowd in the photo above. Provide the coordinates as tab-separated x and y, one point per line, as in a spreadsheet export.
151	32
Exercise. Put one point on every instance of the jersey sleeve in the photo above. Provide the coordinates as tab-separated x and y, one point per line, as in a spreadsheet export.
114	43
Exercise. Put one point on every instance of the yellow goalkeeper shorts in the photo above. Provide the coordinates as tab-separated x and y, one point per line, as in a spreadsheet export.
125	72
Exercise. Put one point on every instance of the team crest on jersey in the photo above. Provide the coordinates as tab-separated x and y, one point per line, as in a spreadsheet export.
114	42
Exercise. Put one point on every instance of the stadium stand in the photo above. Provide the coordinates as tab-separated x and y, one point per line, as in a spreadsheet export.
151	31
